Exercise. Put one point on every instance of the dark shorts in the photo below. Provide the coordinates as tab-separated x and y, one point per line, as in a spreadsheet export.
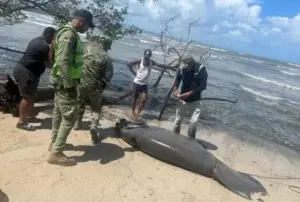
26	80
138	89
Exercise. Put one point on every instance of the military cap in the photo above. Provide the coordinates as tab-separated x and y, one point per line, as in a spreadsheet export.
87	15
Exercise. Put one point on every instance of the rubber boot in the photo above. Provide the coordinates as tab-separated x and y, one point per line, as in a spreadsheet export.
59	158
94	135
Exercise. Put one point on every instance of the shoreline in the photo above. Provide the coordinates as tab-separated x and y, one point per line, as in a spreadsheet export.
112	171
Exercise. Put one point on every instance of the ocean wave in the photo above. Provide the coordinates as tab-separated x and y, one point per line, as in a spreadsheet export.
38	15
257	78
261	94
41	24
125	43
288	68
144	41
218	49
267	102
296	65
158	53
155	38
290	73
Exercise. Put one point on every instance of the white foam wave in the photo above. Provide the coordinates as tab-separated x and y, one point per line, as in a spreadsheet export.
155	38
144	41
218	49
38	15
296	65
288	68
257	78
261	94
158	53
294	102
125	43
271	103
290	73
40	24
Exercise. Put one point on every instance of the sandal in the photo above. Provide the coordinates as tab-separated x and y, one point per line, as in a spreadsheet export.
25	126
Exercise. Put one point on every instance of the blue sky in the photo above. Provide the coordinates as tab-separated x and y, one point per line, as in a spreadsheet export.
269	28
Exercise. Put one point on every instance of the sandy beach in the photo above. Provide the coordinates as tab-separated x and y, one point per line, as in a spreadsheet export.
113	171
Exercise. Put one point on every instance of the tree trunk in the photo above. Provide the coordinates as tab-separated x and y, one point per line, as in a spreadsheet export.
165	103
159	78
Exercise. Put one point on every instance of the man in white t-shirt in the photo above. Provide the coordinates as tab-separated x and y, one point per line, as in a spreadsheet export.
140	82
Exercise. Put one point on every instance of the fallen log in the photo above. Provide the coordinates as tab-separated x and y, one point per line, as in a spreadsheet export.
10	96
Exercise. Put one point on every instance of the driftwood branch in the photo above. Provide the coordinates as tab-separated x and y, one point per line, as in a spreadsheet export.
11	50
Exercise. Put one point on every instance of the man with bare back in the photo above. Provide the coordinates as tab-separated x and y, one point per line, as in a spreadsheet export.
140	82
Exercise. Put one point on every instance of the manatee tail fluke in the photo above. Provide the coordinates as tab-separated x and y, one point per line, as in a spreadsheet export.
241	184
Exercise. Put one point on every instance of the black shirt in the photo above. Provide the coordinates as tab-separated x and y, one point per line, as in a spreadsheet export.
35	55
192	80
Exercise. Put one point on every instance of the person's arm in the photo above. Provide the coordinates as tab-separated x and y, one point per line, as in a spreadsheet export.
176	83
133	63
160	65
201	87
64	51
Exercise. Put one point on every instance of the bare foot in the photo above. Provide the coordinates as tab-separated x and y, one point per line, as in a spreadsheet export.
138	116
133	115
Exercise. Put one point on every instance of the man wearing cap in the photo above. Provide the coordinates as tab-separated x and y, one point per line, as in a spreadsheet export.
194	80
140	82
66	74
96	76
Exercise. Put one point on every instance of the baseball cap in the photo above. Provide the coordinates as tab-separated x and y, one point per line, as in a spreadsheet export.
87	15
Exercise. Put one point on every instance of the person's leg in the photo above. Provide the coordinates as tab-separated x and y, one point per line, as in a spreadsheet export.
31	113
81	108
96	106
67	104
195	107
27	89
56	120
134	97
144	92
178	117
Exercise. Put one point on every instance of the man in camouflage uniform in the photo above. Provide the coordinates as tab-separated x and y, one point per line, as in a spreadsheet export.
66	74
96	76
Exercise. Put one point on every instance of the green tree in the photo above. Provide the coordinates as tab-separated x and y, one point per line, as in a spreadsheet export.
108	18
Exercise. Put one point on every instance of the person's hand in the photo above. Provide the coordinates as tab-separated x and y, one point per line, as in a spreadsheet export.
185	96
176	93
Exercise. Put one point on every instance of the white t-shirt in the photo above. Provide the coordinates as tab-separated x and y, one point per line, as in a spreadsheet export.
143	73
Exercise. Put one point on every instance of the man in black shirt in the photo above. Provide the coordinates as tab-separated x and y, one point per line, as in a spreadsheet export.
27	72
194	81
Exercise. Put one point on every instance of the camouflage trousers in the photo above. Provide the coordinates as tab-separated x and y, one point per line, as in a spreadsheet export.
63	117
93	97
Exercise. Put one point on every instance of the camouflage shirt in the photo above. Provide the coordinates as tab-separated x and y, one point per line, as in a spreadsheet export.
98	66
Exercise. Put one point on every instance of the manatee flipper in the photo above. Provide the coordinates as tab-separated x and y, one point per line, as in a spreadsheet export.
240	183
134	143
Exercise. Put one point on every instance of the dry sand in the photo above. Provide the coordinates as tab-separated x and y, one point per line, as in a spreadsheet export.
112	171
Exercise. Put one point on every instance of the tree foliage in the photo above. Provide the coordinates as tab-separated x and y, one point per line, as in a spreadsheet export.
109	19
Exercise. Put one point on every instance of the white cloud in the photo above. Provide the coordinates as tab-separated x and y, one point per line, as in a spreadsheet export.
291	26
230	19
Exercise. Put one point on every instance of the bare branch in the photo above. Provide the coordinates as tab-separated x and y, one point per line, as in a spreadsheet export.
27	4
190	27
